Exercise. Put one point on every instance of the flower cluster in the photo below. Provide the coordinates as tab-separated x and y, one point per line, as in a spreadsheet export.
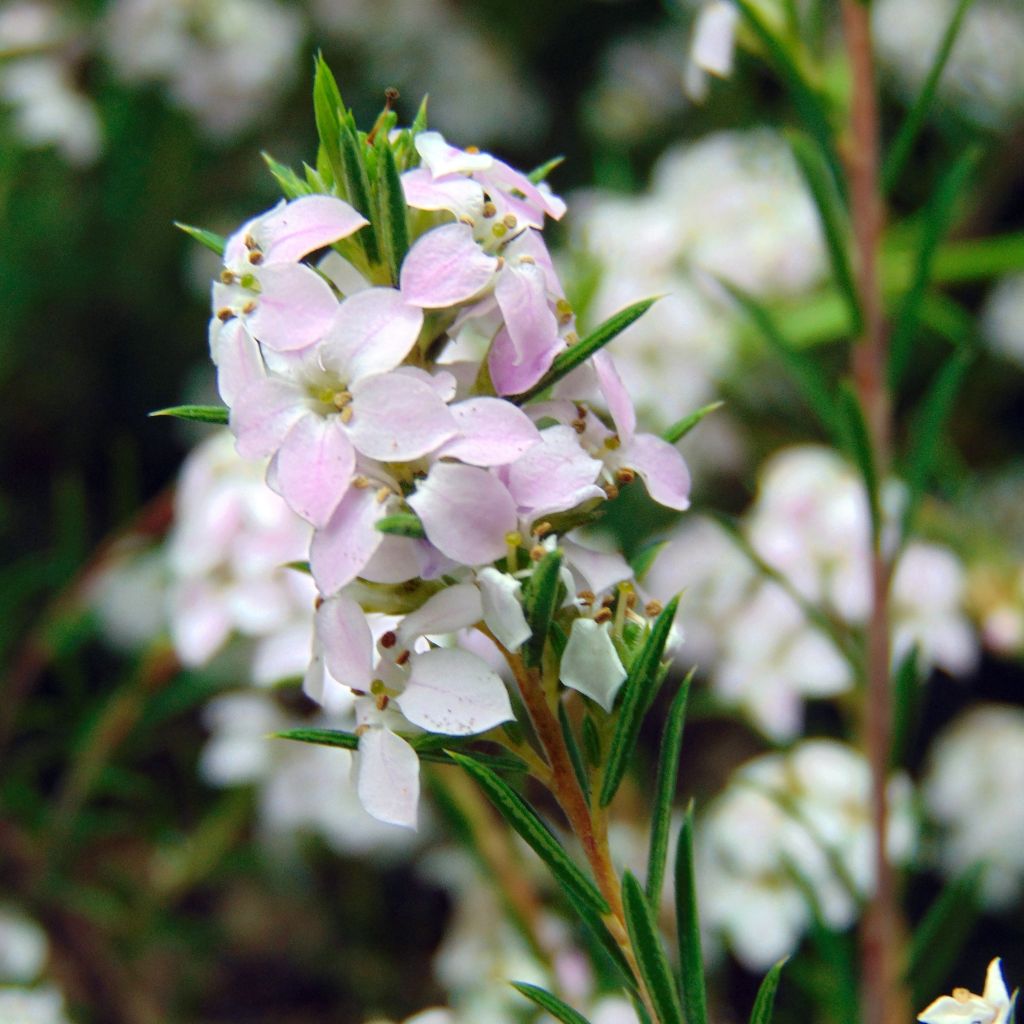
344	325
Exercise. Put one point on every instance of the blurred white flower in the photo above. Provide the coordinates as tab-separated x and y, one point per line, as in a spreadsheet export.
972	787
965	1007
712	45
129	596
42	1005
1002	318
788	821
23	948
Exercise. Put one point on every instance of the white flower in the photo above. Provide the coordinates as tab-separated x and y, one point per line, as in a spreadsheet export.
965	1007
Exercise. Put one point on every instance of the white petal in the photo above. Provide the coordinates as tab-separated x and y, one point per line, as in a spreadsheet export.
343	631
445	612
503	611
591	664
454	692
388	777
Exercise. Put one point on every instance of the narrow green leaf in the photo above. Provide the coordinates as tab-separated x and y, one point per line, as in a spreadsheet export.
196	413
935	222
902	145
834	222
539	174
764	1004
816	389
392	224
357	184
858	443
650	953
808	101
637	693
546	1001
597	930
682	427
212	241
691	959
525	821
540	604
425	745
906	694
401	524
591	742
572	357
926	429
1011	1016
642	561
419	122
942	934
575	755
287	180
665	789
327	108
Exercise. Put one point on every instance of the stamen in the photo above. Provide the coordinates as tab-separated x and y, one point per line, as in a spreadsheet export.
249	306
624	475
361	482
228	277
537	552
509	220
472	150
612	443
587	597
603	615
255	257
402	658
541	528
225	314
653	609
499	230
346	414
388	640
383	493
489	209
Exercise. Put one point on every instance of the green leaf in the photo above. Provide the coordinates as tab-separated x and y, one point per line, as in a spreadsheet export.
212	241
665	789
650	953
546	1001
834	222
419	122
858	443
579	353
764	1004
426	747
539	174
540	604
902	145
926	429
943	933
602	937
401	524
691	960
642	561
591	742
327	107
935	221
808	101
906	703
638	691
357	185
196	413
287	180
525	821
682	427
392	225
575	754
816	389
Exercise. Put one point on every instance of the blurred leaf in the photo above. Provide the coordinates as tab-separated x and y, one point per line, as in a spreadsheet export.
597	930
682	427
941	936
393	228
935	221
546	1001
574	750
650	953
525	821
567	361
927	426
291	185
691	960
906	704
212	241
858	443
642	561
197	413
540	604
816	389
834	222
665	789
900	149
764	1004
637	693
539	174
401	524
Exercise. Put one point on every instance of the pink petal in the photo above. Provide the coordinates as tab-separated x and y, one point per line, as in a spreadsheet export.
263	414
594	557
466	512
522	296
555	475
454	692
492	432
348	541
531	243
395	561
442	159
447	611
289	232
295	307
347	642
512	374
388	777
620	405
662	468
237	357
443	381
396	418
373	331
314	467
461	196
501	600
446	267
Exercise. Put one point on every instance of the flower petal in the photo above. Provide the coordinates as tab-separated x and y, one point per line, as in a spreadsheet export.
263	414
448	610
388	777
237	357
590	663
373	331
295	307
662	468
522	296
446	267
344	633
501	595
493	432
339	550
555	475
461	196
314	467
466	512
454	692
620	405
396	417
289	232
512	373
442	158
596	559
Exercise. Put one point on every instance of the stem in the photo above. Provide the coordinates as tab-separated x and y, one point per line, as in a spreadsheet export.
884	1000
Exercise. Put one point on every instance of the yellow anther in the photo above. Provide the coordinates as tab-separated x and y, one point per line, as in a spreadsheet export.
513	539
255	257
612	442
652	609
346	414
382	701
603	615
624	475
499	230
249	306
579	426
225	314
539	529
490	209
228	277
383	493
361	482
341	398
466	219
509	220
250	242
472	150
537	552
586	597
571	338
527	258
611	491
